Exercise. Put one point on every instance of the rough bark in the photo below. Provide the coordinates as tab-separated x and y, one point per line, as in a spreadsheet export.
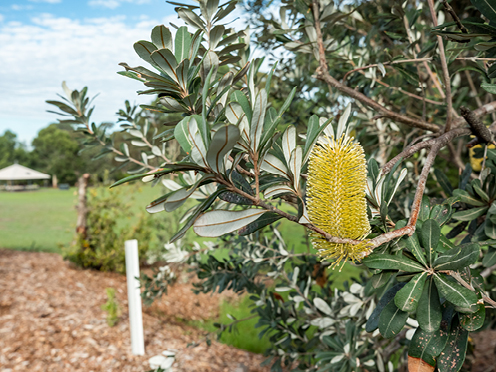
82	207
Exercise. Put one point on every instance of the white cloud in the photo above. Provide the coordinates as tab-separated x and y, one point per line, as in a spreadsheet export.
112	4
2	17
21	7
46	1
36	58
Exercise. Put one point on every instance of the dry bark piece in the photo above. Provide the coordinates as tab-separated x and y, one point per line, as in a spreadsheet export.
482	132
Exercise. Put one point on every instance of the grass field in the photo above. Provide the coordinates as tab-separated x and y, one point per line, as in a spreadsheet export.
44	220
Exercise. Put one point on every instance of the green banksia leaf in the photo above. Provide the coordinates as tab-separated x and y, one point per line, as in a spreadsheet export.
424	349
425	209
392	320
379	280
429	313
337	178
472	322
456	294
490	257
458	257
384	261
453	355
413	245
441	213
407	298
429	236
373	321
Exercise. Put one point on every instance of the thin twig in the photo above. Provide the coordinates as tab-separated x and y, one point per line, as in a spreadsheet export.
455	17
441	141
472	86
455	157
386	64
410	94
483	162
475	59
433	77
488	271
456	275
115	151
446	76
444	138
416	123
149	144
322	73
405	92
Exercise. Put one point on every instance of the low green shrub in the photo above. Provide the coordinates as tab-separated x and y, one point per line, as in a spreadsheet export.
103	246
111	307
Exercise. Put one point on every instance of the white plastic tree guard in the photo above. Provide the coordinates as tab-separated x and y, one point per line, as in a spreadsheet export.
134	297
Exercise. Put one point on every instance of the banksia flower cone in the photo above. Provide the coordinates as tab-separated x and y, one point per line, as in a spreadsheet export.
337	179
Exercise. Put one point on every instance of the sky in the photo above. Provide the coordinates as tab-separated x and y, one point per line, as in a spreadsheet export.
45	42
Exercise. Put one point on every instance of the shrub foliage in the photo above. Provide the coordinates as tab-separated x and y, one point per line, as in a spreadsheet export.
411	82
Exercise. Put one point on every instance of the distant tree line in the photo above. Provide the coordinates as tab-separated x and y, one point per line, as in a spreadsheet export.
56	150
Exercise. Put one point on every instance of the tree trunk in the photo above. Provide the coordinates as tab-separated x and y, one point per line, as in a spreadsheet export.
82	208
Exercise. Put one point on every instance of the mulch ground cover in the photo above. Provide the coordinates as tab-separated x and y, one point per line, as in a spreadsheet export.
51	320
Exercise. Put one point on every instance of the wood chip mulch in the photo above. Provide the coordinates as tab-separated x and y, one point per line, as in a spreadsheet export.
51	320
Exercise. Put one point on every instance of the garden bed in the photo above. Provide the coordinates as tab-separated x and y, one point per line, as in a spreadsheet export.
51	320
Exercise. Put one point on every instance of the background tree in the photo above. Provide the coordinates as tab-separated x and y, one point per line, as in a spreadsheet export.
56	152
12	151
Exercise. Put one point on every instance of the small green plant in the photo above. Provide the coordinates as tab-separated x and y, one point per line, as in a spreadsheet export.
111	307
103	247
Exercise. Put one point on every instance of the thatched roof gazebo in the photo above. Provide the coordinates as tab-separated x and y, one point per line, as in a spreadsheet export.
16	172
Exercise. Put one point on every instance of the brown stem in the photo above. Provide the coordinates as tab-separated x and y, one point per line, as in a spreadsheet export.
444	66
150	146
475	59
455	17
322	73
455	156
421	184
131	159
114	150
410	94
472	86
261	203
440	141
416	123
385	64
257	175
426	65
433	77
488	271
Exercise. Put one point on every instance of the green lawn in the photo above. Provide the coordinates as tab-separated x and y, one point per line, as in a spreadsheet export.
44	219
237	309
37	220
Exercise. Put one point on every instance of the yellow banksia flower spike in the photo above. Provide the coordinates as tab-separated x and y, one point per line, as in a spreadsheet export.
337	179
